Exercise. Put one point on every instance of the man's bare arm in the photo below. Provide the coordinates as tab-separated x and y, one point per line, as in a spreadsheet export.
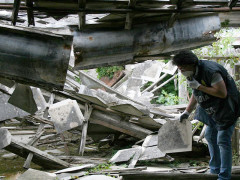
192	104
218	90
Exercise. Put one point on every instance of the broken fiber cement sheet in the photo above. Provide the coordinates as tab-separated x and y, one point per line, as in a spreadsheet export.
29	99
148	153
32	174
149	150
90	95
66	115
8	111
175	136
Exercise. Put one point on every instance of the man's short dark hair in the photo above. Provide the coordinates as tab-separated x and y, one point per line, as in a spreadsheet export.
185	57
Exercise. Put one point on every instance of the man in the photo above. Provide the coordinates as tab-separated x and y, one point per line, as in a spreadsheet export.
218	102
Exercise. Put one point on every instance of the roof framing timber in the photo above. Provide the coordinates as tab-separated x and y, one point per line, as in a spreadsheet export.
82	15
129	9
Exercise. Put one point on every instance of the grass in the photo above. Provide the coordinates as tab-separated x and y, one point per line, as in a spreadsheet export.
9	167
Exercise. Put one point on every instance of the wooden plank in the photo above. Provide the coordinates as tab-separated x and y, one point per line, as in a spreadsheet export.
29	4
109	89
114	122
87	114
16	7
232	3
129	20
136	156
129	16
66	149
81	15
161	85
39	157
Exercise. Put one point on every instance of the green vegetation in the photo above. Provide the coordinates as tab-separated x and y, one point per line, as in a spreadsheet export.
108	71
221	49
100	167
167	98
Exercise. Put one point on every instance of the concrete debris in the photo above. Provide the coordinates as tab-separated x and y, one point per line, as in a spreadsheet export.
31	174
66	115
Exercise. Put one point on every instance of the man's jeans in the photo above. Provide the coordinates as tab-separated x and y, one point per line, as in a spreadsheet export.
220	149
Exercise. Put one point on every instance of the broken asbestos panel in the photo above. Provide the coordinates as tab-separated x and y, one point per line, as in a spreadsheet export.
29	99
151	153
131	109
86	93
8	111
103	48
37	175
151	140
66	115
34	57
124	155
175	136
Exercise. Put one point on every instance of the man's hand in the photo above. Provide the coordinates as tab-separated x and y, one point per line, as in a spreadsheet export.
193	83
184	116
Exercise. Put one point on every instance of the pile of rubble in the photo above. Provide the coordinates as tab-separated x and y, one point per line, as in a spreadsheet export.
81	115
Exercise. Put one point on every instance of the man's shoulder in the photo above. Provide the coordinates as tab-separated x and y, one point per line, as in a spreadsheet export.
211	66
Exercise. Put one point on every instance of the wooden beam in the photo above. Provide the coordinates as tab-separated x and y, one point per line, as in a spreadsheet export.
114	122
33	142
30	14
123	11
39	157
16	7
129	20
161	85
87	114
152	85
81	15
232	3
175	16
129	16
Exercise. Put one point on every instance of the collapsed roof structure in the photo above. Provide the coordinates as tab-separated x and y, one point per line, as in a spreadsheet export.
66	36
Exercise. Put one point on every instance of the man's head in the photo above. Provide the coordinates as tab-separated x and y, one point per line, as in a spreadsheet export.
186	62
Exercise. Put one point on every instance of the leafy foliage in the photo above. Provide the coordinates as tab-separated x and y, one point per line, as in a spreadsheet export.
167	98
100	167
108	71
222	48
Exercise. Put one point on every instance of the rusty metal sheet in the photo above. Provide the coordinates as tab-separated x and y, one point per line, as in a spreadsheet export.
101	48
34	57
